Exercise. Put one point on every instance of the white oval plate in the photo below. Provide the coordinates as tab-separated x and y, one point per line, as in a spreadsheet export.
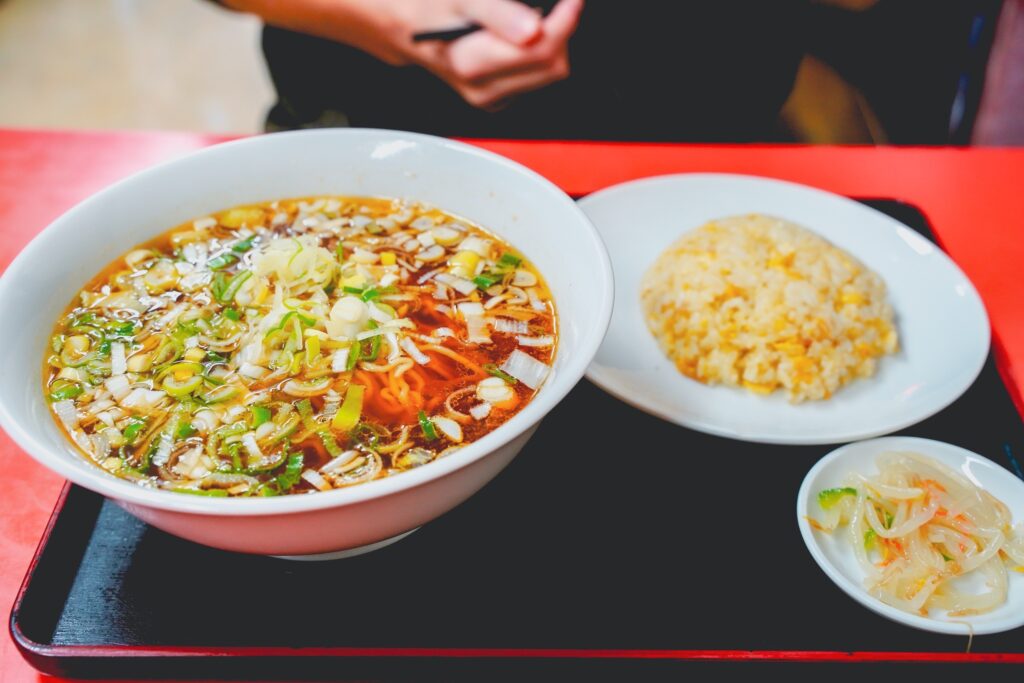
943	328
835	555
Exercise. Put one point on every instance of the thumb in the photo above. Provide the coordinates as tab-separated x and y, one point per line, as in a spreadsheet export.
508	19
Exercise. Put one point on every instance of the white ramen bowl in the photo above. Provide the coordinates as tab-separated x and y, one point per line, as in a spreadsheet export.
517	204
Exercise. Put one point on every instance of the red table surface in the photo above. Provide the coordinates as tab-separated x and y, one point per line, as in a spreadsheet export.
974	199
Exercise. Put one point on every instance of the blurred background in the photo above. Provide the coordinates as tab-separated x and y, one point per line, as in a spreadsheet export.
875	71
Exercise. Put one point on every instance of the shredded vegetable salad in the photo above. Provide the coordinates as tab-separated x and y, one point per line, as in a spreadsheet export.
299	345
919	529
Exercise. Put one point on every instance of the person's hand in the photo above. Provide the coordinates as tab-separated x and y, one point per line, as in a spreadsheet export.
489	67
517	50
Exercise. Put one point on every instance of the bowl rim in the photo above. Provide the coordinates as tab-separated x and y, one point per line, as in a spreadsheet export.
90	476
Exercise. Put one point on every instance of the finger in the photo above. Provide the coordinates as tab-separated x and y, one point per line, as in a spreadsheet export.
498	90
482	56
563	19
508	19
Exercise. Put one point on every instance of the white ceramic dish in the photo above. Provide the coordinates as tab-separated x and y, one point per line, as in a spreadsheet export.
834	554
521	206
944	331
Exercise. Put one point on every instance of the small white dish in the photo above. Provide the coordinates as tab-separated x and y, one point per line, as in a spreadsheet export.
835	555
943	327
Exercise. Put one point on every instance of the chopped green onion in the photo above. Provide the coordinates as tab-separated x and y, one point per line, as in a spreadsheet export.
368	434
131	432
236	458
287	429
427	426
260	414
217	285
888	519
244	245
65	390
352	290
305	409
124	330
233	285
292	472
351	408
869	539
232	314
212	493
492	369
185	430
222	260
181	388
486	280
829	497
214	357
353	356
221	393
267	464
946	557
330	445
510	260
369	349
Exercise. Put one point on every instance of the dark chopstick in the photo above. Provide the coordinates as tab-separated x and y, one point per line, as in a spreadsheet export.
446	35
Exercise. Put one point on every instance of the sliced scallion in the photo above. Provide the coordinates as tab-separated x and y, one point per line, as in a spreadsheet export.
492	369
351	408
429	431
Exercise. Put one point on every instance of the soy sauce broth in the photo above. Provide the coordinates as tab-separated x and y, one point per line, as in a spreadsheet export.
298	345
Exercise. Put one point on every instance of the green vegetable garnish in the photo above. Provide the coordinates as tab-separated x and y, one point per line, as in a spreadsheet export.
62	390
370	294
330	445
131	432
510	260
869	539
260	415
233	285
243	246
212	493
351	408
185	430
353	356
429	432
292	472
829	497
268	464
486	280
369	349
222	260
492	369
232	314
352	290
305	409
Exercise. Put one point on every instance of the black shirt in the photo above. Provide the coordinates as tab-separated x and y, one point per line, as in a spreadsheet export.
641	70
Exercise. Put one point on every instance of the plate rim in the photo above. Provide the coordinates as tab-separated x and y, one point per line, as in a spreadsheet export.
857	592
608	383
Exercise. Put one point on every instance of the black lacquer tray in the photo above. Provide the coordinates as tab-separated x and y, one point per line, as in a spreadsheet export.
615	542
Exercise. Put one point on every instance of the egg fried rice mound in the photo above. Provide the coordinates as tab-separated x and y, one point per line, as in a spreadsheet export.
758	302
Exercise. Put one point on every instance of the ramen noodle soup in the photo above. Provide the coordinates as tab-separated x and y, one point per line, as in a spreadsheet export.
299	345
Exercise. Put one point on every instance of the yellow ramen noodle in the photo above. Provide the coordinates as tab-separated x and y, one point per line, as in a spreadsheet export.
758	302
